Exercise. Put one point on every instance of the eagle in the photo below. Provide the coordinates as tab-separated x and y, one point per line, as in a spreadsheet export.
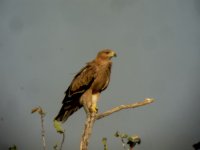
87	85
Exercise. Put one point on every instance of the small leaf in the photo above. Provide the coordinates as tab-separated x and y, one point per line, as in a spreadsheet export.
134	139
14	147
58	127
117	134
34	110
39	110
55	147
123	135
104	141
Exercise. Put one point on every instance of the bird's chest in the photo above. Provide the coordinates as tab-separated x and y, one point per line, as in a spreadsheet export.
102	81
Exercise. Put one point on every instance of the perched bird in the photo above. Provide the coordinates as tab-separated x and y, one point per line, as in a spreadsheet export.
87	86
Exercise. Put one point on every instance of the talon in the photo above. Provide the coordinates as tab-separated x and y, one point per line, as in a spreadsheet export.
97	109
93	109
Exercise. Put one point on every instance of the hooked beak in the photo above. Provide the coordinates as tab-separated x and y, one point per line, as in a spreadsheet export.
114	54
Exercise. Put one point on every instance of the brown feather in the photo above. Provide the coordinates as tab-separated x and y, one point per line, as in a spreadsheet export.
95	76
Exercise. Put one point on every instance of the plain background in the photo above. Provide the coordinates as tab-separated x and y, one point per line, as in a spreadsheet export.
44	43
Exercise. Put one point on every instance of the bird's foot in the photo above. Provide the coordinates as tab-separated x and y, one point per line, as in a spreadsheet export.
58	126
94	108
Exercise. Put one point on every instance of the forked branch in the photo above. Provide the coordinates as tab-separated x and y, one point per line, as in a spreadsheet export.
91	118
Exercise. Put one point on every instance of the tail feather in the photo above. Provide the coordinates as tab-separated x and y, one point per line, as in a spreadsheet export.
66	111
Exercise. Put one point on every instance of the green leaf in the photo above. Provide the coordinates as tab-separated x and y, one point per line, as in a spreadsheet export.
134	139
117	134
104	141
58	127
55	147
123	135
14	147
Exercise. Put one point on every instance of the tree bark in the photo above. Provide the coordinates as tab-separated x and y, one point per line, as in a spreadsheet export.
91	117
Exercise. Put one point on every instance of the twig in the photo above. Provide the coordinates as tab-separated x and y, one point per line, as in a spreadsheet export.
43	131
121	107
42	115
63	139
92	117
122	137
123	143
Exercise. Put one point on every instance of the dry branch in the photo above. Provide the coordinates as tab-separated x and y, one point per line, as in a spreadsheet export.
63	139
42	115
92	117
121	107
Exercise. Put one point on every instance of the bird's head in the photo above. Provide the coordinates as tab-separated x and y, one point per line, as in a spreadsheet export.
106	54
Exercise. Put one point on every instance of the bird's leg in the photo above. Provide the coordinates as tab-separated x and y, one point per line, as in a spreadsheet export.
89	102
95	98
86	108
85	100
94	108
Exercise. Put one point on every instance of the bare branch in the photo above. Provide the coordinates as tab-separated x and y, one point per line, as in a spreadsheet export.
121	107
92	117
63	139
43	131
42	115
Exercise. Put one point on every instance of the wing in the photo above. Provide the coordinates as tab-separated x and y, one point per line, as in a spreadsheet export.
81	82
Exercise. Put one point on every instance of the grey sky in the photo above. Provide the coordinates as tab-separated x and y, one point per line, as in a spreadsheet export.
43	43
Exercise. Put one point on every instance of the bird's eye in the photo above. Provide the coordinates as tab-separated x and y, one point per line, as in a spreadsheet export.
107	52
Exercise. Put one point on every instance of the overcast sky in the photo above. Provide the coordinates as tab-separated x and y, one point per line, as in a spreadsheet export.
43	43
